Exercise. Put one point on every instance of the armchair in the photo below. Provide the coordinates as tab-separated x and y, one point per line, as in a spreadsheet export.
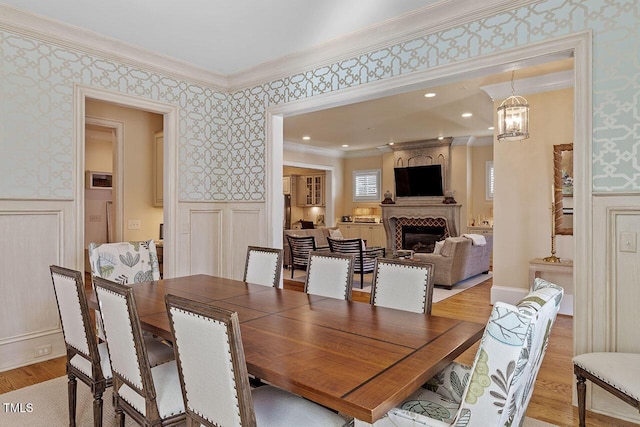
365	259
496	390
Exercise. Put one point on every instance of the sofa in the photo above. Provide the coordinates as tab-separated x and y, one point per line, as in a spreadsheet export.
458	260
320	234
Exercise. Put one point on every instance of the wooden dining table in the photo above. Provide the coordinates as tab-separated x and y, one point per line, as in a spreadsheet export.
353	357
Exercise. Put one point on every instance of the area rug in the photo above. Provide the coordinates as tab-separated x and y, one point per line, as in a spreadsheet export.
48	403
439	294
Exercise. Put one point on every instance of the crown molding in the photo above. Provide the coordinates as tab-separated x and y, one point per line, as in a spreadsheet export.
531	85
50	30
306	149
428	20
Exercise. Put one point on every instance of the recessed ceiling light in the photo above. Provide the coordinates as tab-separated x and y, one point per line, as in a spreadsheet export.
429	95
467	114
345	145
441	138
491	128
306	138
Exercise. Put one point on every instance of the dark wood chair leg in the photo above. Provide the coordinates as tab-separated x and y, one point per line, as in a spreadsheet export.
582	399
361	279
119	417
97	409
72	389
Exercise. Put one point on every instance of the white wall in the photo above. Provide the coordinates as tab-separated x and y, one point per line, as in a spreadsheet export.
523	192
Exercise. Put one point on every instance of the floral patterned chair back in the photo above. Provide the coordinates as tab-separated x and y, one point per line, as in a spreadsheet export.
509	358
496	390
125	262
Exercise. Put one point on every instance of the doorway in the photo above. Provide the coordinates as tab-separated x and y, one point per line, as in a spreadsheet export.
576	45
168	123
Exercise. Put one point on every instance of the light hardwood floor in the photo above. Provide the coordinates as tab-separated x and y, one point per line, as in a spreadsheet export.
551	399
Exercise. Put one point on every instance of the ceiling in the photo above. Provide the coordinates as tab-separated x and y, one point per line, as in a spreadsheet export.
228	37
223	36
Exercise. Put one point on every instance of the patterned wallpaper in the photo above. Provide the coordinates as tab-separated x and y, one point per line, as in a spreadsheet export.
222	136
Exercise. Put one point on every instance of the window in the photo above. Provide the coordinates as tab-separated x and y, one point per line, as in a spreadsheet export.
366	186
489	180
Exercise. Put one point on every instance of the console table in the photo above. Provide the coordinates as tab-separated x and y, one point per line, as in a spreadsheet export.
538	265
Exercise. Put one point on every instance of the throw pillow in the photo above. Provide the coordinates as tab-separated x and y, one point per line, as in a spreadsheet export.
335	234
438	247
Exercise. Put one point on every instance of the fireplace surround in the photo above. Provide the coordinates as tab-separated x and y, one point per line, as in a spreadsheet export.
419	213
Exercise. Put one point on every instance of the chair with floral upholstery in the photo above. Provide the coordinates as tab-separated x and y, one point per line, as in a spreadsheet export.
496	390
125	262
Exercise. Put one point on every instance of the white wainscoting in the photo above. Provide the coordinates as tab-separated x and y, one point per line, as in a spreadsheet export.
32	239
615	296
215	237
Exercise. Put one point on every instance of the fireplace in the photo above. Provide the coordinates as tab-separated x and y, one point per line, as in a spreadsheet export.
419	213
421	238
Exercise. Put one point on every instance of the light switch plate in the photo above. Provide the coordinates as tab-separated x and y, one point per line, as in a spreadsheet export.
134	224
627	241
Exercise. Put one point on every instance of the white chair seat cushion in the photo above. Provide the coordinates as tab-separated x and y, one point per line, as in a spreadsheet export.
275	407
423	408
84	366
167	385
620	370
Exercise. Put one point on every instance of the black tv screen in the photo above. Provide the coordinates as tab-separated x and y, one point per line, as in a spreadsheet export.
419	181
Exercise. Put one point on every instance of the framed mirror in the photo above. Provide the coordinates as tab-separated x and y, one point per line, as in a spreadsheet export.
563	188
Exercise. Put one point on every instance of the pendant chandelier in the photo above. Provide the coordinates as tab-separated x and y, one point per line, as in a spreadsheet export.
513	117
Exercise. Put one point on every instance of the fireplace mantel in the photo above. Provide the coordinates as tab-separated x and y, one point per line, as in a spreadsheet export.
419	209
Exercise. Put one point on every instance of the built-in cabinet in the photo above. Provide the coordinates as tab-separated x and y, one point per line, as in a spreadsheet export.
311	190
479	230
372	233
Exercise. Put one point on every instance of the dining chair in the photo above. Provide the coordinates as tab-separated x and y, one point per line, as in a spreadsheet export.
403	285
299	248
330	275
365	259
614	372
496	390
151	396
87	359
214	378
125	262
263	266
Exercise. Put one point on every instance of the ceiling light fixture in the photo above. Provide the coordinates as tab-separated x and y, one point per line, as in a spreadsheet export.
345	145
513	117
306	138
491	128
429	95
441	138
466	115
391	143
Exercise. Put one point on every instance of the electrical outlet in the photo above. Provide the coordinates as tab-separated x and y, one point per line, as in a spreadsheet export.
134	224
45	350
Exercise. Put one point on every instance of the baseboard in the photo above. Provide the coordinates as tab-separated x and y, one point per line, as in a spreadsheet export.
513	295
20	353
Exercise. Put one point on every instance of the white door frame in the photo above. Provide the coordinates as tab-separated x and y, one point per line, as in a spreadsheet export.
170	127
580	46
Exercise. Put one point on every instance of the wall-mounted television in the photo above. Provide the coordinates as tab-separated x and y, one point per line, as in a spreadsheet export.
419	181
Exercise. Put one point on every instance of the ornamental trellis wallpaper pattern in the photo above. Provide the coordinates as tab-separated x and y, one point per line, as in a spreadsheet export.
222	136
